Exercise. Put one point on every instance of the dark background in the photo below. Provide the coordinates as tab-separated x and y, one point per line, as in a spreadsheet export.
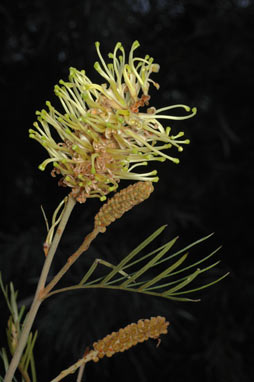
205	50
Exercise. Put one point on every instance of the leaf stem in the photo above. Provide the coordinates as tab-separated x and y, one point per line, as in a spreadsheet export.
71	260
88	357
37	299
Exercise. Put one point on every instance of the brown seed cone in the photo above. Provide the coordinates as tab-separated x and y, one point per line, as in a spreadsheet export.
130	335
122	202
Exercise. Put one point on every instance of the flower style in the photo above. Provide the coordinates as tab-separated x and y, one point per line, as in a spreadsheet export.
104	134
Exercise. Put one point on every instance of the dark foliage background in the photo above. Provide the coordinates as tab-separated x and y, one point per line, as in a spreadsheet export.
205	49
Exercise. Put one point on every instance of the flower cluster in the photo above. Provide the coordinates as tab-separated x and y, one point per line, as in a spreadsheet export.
104	134
130	336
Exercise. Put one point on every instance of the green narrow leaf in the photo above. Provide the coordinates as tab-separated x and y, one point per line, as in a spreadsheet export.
33	369
210	267
182	279
203	286
133	254
94	281
182	299
4	358
183	283
21	312
89	273
186	248
103	262
146	256
115	281
5	292
165	273
197	262
159	286
109	265
23	362
30	347
14	295
149	264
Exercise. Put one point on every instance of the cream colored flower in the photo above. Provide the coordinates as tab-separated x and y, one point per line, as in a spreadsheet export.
104	136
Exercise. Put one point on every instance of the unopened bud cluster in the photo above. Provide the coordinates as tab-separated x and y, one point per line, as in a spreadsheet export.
122	202
130	336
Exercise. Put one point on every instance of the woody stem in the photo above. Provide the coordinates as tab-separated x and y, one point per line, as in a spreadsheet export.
37	299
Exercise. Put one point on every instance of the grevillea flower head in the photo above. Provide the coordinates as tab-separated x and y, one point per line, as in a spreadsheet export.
104	135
